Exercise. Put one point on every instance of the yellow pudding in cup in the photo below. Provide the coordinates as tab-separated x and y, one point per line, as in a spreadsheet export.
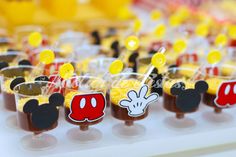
214	83
121	85
175	76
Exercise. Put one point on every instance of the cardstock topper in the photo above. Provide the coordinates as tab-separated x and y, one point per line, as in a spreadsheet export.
226	94
138	102
87	107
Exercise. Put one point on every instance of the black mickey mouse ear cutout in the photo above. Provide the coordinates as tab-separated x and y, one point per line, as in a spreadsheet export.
177	88
16	81
30	106
201	86
115	47
56	99
3	65
133	57
42	78
95	34
24	62
133	61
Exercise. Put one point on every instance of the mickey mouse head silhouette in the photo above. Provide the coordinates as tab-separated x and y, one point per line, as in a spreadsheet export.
44	115
188	99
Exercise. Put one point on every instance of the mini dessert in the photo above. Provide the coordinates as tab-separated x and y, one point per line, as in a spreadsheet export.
119	91
86	88
210	95
177	90
37	111
9	74
169	100
35	102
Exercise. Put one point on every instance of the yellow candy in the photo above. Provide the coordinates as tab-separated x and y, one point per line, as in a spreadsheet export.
232	31
137	25
175	20
155	15
179	46
158	60
66	71
202	30
46	56
221	40
160	31
116	67
35	39
132	43
214	57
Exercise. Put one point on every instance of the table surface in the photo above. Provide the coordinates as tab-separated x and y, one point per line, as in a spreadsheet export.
165	135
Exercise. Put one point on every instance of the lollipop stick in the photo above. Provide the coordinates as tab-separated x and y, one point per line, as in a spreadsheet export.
161	50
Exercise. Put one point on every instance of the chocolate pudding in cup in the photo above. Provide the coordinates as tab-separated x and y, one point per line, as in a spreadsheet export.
121	85
37	106
173	77
214	83
8	74
82	87
12	58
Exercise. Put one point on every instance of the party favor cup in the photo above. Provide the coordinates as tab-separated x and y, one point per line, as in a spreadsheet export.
214	82
37	106
8	74
181	79
84	106
121	85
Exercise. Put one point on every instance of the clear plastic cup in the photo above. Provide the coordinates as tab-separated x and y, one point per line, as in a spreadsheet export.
37	112
85	86
173	77
121	85
8	74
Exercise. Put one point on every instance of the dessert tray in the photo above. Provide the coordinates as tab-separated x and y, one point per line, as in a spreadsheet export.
164	135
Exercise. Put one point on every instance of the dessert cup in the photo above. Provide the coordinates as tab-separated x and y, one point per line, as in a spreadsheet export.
83	86
12	58
31	117
8	74
175	76
214	83
121	85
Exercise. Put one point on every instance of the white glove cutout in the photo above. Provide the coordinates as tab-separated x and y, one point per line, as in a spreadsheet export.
137	102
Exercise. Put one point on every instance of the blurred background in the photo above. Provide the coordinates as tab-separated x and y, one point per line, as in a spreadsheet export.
46	12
